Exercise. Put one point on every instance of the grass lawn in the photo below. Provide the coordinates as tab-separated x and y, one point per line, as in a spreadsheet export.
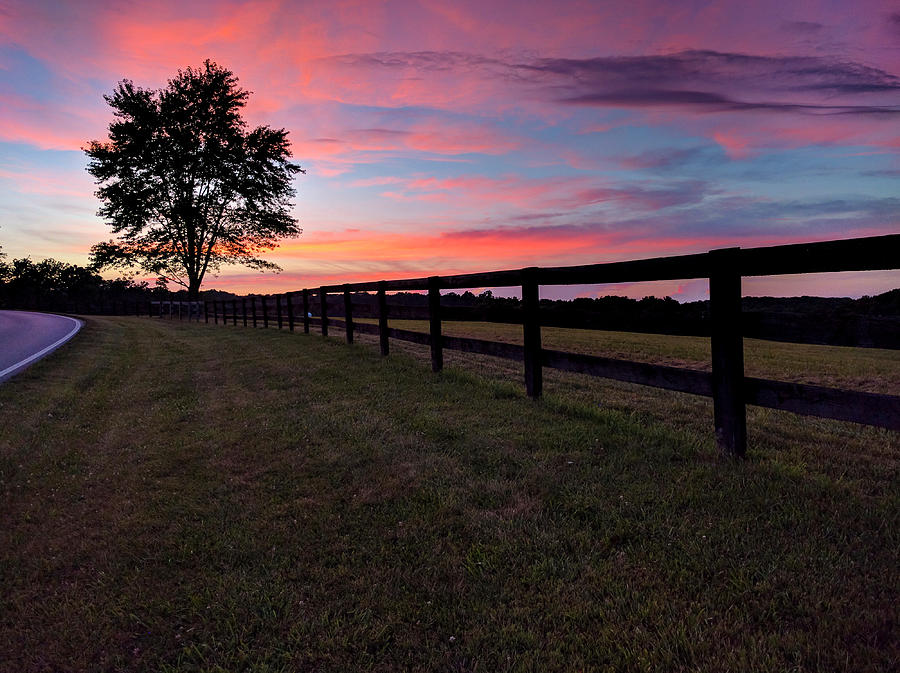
189	497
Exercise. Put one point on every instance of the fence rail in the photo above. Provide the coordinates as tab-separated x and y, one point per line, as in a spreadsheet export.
730	390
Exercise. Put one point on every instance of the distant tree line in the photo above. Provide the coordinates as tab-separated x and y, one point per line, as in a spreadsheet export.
52	285
872	321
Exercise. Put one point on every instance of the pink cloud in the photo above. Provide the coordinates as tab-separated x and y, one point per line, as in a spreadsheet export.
735	146
460	138
28	181
562	193
48	126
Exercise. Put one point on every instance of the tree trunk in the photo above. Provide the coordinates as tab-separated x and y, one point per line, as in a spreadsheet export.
193	289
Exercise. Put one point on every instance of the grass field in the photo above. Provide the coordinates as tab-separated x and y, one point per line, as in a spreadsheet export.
190	497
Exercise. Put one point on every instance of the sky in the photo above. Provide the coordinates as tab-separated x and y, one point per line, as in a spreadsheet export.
453	137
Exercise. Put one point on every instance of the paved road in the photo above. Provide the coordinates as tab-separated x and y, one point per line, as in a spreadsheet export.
27	337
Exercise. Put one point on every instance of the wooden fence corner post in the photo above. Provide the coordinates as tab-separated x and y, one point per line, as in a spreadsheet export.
383	319
727	346
253	309
306	311
278	310
265	305
234	312
244	309
323	310
215	312
348	314
289	298
434	319
205	311
531	329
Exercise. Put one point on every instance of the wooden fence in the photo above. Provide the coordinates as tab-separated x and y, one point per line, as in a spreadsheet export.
181	310
726	384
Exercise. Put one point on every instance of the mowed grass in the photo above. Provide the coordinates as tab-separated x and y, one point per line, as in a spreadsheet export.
190	497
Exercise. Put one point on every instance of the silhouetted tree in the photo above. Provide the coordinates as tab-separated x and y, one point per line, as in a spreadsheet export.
185	185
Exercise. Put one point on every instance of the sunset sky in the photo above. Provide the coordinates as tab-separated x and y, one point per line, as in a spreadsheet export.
449	137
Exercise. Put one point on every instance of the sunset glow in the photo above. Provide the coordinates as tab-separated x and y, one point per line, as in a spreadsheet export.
454	137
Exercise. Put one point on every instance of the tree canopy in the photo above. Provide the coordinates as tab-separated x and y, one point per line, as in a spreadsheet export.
184	183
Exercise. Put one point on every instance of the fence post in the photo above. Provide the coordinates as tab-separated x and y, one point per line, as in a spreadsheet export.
278	310
531	332
215	312
290	310
323	298
383	319
727	351
306	311
244	309
224	313
265	305
206	310
434	318
234	312
348	315
253	308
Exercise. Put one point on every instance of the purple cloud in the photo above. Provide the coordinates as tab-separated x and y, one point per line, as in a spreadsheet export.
701	80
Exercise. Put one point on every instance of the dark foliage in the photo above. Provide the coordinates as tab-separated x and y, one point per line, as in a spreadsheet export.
184	184
56	286
51	285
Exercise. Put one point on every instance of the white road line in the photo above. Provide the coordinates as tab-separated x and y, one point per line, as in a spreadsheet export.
43	351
